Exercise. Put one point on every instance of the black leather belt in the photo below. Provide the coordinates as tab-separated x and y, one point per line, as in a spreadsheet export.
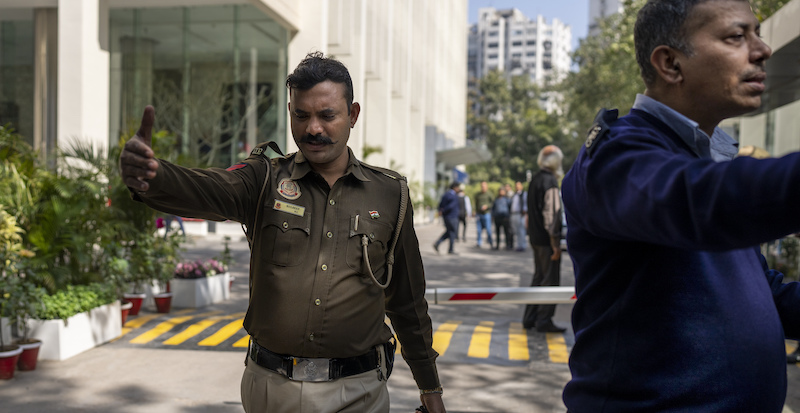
313	369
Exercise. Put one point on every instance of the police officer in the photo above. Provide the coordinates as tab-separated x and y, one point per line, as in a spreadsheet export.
333	252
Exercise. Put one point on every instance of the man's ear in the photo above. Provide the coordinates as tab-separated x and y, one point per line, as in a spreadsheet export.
666	61
355	109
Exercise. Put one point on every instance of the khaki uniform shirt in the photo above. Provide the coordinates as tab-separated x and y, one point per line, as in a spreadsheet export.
310	294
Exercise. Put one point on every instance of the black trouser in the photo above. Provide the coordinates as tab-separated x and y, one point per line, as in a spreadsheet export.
501	221
547	273
462	221
450	232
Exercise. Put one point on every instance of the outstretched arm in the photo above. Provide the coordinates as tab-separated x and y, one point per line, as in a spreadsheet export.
137	161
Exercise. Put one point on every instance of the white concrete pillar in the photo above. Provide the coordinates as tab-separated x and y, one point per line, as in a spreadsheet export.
312	36
83	72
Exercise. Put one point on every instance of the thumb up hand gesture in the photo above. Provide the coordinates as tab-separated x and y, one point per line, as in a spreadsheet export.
137	161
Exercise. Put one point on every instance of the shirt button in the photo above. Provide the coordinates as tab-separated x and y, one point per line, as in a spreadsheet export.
324	267
332	202
317	301
329	234
311	337
285	225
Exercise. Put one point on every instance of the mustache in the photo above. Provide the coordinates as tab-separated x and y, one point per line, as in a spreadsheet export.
759	70
316	139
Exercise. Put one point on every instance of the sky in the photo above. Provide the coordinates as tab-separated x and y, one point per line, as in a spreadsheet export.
572	12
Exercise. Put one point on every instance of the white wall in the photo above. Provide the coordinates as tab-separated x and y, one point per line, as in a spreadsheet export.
408	61
83	72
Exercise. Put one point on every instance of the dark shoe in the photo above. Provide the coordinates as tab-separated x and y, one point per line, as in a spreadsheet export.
495	248
550	328
520	250
453	253
793	358
436	247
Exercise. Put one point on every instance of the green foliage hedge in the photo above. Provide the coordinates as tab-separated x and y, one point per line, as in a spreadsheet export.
75	299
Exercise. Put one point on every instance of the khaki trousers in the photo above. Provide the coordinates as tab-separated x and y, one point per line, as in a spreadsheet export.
264	391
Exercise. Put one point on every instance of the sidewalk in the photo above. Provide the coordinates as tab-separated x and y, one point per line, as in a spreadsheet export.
133	380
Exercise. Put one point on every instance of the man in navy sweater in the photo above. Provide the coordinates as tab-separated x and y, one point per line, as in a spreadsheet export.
676	308
448	208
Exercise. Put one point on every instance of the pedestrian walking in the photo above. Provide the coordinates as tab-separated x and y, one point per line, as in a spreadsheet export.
501	210
448	209
519	210
464	212
483	214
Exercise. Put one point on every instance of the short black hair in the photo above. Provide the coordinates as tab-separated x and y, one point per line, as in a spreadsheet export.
661	22
316	68
455	184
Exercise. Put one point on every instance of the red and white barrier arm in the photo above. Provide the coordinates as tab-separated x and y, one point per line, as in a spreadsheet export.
501	295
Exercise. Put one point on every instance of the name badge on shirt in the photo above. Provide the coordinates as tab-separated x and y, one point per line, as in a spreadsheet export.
289	208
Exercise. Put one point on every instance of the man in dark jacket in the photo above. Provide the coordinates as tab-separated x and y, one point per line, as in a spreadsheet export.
544	231
676	308
448	209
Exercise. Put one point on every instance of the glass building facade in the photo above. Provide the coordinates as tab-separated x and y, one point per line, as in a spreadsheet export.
214	75
17	71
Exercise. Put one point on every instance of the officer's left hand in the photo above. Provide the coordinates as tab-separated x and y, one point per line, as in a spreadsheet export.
433	402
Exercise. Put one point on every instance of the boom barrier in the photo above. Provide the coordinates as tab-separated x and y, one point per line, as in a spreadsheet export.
501	295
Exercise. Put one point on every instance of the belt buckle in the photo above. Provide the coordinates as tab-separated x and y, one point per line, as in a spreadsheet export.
310	369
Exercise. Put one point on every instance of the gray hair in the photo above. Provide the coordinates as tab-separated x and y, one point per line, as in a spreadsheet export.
550	158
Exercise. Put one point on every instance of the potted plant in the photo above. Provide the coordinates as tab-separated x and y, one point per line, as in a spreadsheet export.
9	353
10	247
166	253
116	272
200	283
75	319
27	305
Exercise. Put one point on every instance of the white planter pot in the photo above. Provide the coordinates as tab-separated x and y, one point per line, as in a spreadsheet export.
200	292
82	332
5	329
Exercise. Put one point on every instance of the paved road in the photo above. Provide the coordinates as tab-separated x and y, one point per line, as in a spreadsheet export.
191	360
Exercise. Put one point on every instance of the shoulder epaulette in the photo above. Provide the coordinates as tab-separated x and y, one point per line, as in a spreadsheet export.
388	172
600	128
261	149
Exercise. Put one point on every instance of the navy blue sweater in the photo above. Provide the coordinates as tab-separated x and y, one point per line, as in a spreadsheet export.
676	308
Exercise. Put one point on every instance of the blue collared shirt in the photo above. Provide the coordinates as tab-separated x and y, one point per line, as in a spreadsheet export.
721	147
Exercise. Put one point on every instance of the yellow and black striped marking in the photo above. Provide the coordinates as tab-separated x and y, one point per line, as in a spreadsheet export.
494	342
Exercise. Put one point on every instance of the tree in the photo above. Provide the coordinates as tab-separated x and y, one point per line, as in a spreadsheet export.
511	121
765	8
608	75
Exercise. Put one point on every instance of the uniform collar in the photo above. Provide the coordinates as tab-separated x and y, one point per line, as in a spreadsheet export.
719	147
302	167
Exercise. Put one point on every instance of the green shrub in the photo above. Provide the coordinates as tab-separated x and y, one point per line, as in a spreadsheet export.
75	299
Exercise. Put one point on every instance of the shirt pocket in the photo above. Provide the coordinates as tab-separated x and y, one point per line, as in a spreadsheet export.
285	238
378	235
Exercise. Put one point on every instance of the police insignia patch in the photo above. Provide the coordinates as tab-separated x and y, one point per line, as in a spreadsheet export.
237	166
593	135
289	189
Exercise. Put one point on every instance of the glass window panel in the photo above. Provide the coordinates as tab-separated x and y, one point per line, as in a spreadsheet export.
214	75
16	71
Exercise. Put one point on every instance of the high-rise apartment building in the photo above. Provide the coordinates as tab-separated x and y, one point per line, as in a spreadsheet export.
508	41
600	9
